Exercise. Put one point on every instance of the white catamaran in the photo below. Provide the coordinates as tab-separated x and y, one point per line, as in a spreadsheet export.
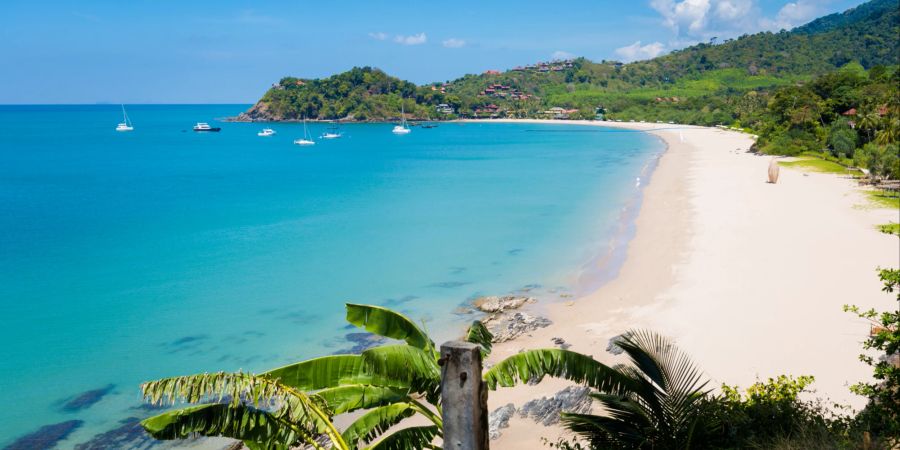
403	128
307	138
126	125
332	133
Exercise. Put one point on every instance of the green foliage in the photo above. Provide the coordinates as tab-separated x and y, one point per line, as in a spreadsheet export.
651	403
818	165
771	414
387	323
295	404
890	228
882	414
881	160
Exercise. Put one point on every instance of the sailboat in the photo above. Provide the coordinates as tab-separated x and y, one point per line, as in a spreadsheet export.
307	138
126	125
403	128
332	132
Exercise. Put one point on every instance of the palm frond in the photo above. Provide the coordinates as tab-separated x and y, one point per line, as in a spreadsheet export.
535	364
406	364
407	438
237	422
375	423
387	323
328	372
344	399
240	389
479	334
679	380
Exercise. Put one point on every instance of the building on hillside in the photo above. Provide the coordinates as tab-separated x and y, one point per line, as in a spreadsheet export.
600	113
444	108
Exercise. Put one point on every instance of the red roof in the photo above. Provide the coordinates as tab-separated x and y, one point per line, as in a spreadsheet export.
850	112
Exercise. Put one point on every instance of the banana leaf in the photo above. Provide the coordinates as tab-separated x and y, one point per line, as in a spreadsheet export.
238	422
387	323
376	422
407	438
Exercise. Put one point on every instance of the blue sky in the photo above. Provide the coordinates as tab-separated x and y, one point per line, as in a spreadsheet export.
166	51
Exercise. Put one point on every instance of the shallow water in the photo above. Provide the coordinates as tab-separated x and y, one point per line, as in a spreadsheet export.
131	256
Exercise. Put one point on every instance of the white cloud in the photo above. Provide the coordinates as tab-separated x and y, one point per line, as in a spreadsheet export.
636	51
793	14
414	39
693	21
454	43
559	54
378	36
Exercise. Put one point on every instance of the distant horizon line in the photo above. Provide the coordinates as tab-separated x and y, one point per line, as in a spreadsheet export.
120	103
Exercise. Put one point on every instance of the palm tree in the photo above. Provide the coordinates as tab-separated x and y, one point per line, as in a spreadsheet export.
889	132
659	407
295	404
868	121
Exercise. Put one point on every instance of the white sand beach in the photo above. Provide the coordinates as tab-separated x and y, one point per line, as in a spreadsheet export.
748	277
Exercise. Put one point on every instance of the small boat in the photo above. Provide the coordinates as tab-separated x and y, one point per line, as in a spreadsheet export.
429	125
403	128
203	126
266	132
332	133
307	138
126	124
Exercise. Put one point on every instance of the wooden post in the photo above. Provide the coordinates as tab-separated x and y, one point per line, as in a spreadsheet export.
463	397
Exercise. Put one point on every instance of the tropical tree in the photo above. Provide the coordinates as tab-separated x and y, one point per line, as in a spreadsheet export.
295	404
656	403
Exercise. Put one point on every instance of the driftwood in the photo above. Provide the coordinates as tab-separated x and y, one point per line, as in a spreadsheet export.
773	171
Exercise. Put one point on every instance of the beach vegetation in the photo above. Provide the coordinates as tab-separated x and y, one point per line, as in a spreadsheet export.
881	415
890	228
296	404
814	164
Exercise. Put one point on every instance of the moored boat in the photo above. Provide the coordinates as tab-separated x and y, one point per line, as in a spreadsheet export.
266	132
204	127
126	124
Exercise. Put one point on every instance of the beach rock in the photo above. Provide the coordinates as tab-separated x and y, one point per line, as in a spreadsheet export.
495	304
499	418
613	346
87	399
561	343
545	411
45	437
506	327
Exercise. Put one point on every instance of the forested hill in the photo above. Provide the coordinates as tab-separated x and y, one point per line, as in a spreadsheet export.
703	84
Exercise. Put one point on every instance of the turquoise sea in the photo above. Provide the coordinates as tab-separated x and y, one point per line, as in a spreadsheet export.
131	256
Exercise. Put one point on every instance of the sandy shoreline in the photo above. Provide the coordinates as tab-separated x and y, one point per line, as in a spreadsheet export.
748	277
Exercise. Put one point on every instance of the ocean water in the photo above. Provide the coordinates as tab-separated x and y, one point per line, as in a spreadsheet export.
126	257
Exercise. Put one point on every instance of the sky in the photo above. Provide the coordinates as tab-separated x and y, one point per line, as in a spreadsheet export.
229	51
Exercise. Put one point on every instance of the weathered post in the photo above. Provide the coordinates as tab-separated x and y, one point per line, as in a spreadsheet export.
463	397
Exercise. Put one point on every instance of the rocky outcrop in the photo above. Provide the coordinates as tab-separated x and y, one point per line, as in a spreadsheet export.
545	410
496	304
259	112
506	327
499	418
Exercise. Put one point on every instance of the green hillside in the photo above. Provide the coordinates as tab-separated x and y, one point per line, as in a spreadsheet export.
711	83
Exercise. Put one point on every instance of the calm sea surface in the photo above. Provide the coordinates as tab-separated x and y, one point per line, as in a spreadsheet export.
130	256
